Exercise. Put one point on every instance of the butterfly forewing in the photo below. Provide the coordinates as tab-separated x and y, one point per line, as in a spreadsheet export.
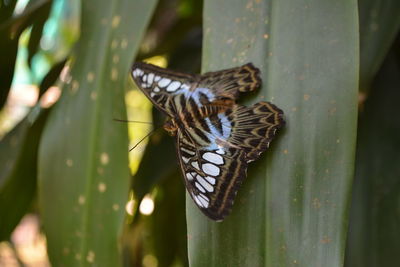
216	138
161	85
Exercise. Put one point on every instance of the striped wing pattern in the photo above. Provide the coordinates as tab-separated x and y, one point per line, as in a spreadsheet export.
216	138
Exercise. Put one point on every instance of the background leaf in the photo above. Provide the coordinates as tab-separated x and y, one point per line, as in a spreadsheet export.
292	209
83	158
18	162
379	24
373	232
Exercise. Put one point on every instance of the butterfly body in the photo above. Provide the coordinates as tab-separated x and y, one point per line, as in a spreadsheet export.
216	137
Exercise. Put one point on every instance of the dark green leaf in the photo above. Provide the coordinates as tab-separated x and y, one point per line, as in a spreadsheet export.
37	30
51	77
18	165
379	24
374	236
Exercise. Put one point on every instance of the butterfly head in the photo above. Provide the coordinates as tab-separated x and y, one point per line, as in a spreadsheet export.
171	127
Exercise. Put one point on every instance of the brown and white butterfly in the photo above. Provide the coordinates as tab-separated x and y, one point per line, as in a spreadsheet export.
216	137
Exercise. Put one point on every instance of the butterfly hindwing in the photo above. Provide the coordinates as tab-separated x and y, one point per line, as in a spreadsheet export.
212	176
254	127
230	82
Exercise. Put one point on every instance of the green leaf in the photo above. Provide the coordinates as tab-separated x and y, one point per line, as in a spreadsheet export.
83	158
379	24
18	165
374	236
292	208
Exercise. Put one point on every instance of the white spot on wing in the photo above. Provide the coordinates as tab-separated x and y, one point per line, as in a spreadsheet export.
189	176
164	82
185	87
220	151
204	200
185	159
150	78
172	87
204	183
209	179
157	78
210	169
144	78
214	158
156	89
152	94
197	200
188	151
200	187
195	164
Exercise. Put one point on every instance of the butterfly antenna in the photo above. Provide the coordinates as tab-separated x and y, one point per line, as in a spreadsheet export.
141	140
144	122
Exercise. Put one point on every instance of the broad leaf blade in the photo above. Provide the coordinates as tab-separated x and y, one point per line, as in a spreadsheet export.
379	24
373	232
293	205
83	164
18	165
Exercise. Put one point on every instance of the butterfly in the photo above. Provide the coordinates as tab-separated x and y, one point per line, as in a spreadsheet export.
215	137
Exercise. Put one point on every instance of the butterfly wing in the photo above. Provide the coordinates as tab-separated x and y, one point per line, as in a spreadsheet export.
221	136
230	82
212	175
162	86
213	171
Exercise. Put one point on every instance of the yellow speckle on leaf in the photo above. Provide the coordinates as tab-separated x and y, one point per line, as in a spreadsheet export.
69	162
90	256
115	207
265	36
115	59
294	109
306	97
90	77
114	74
337	141
114	44
78	256
326	240
102	187
81	200
74	86
115	21
93	95
66	251
104	158
316	203
124	43
285	151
